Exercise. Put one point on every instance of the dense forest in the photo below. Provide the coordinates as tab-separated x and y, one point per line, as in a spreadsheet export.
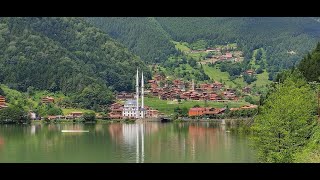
143	35
277	35
310	65
285	39
67	55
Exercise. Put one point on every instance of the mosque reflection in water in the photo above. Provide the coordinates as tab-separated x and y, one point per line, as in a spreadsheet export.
165	141
121	142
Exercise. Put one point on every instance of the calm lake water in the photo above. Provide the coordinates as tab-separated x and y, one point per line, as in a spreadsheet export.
117	142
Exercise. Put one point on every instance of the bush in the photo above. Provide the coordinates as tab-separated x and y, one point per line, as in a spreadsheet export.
14	114
259	70
89	116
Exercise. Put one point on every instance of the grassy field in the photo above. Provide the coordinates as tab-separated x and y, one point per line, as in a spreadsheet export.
240	81
182	46
69	110
262	79
216	74
167	107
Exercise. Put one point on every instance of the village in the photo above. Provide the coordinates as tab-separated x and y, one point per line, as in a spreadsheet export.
217	54
160	87
177	90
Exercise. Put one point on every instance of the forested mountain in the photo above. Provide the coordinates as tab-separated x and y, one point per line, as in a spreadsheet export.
64	54
310	65
285	39
143	35
277	35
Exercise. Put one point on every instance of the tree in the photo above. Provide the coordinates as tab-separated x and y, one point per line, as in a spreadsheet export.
1	92
89	117
259	70
184	111
192	62
31	91
249	100
286	120
14	114
309	65
53	111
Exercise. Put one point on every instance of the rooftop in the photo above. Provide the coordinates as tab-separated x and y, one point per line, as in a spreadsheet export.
130	102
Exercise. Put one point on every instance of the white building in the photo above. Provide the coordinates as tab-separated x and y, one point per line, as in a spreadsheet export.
131	107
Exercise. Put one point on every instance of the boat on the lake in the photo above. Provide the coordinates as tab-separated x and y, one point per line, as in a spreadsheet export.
74	130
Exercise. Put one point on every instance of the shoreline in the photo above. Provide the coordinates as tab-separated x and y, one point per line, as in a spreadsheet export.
102	121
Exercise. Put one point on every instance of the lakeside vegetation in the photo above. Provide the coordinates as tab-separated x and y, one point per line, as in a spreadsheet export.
287	128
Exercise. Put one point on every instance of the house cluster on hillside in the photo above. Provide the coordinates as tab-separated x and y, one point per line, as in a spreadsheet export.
3	103
218	54
177	90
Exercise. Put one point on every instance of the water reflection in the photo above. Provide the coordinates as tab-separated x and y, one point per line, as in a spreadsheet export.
1	142
116	142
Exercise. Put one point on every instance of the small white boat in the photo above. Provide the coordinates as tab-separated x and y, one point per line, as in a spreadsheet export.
74	130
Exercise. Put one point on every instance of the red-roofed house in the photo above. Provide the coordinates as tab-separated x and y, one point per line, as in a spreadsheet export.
196	111
228	56
47	100
3	102
250	72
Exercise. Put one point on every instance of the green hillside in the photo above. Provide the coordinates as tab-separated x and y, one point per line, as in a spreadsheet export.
67	55
277	35
284	40
143	36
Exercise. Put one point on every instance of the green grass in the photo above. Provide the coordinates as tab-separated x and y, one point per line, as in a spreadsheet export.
253	60
216	74
39	94
67	111
240	81
184	48
262	79
198	55
165	107
181	46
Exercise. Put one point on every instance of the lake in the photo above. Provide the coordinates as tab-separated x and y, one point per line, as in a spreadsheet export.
149	142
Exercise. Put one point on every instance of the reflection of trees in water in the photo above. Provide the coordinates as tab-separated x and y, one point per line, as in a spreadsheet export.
1	142
148	142
185	142
115	130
